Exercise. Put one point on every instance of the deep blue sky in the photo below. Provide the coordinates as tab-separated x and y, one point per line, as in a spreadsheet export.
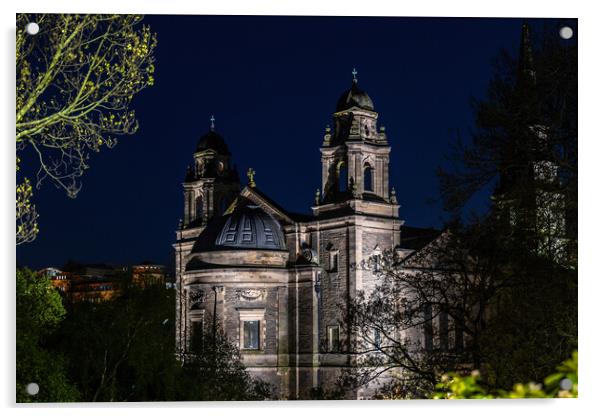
272	84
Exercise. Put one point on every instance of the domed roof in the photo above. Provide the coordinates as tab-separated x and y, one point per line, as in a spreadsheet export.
212	141
354	97
249	227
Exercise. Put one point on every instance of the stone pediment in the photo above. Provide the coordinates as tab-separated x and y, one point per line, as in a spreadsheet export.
266	204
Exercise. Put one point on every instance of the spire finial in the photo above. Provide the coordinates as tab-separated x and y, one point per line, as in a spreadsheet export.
354	73
212	120
251	175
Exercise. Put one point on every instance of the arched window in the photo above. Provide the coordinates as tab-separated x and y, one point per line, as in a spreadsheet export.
342	176
199	207
223	205
368	178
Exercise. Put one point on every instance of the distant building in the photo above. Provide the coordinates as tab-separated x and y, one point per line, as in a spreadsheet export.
101	282
60	279
93	288
148	273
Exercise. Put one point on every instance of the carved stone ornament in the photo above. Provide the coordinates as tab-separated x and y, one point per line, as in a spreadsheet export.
197	296
250	294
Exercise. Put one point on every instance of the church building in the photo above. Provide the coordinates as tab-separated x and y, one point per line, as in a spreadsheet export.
278	282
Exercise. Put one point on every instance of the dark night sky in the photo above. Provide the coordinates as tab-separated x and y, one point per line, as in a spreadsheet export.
272	83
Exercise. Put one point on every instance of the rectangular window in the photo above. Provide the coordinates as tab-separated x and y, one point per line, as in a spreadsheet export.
443	331
428	327
251	335
333	338
459	335
197	336
334	261
377	340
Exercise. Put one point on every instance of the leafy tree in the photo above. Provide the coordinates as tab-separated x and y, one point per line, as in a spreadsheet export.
75	81
426	314
525	147
214	371
505	282
27	226
123	350
563	384
39	312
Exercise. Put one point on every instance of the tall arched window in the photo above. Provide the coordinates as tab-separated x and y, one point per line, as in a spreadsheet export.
223	205
368	178
342	176
199	207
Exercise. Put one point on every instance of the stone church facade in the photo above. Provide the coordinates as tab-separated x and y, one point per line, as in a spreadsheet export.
278	282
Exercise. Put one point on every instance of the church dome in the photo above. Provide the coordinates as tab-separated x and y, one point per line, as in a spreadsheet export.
212	141
355	97
247	237
249	227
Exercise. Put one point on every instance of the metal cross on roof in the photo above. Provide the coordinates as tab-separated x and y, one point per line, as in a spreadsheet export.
250	175
354	73
212	119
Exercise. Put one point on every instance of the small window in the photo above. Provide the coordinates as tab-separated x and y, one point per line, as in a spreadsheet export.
223	205
428	327
199	207
334	261
459	335
443	331
377	338
197	335
251	335
342	176
333	338
368	178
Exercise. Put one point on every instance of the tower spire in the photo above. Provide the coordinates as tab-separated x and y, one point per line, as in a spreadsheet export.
526	68
212	120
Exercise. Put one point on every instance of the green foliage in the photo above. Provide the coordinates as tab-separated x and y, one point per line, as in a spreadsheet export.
214	371
123	350
75	81
39	312
27	226
529	234
563	383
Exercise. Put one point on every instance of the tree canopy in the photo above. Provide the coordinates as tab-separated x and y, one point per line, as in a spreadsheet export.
75	81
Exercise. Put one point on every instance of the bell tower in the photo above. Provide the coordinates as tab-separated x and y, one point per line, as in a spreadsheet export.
355	154
212	183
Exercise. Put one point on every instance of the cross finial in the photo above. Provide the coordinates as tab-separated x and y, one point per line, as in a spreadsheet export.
251	175
354	73
212	119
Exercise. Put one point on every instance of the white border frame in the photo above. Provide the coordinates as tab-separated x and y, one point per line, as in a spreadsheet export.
590	62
